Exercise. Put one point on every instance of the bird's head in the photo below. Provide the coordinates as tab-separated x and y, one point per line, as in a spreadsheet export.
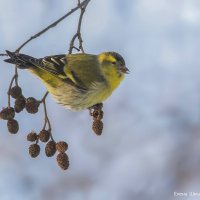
113	62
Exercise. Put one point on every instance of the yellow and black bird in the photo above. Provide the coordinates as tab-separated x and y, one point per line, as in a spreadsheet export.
77	81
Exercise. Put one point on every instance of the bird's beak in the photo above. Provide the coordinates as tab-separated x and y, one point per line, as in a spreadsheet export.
124	69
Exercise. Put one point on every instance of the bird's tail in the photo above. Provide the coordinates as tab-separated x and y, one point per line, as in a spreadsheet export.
22	61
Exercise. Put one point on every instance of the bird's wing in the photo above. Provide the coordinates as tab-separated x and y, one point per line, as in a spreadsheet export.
54	65
82	70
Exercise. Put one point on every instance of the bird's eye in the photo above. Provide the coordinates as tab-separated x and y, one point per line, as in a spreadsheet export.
114	63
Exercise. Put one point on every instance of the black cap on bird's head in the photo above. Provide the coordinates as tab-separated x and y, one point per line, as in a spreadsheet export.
120	62
118	57
115	59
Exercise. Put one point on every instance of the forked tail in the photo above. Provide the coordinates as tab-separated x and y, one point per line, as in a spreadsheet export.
22	61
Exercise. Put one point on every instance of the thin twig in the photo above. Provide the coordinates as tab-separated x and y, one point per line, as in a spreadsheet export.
47	121
10	86
16	78
53	24
79	26
44	97
46	118
46	115
78	33
3	54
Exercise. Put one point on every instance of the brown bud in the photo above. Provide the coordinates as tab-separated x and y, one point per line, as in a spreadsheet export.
50	148
63	161
34	150
20	104
7	113
13	126
97	114
32	105
15	92
97	126
44	135
61	146
31	137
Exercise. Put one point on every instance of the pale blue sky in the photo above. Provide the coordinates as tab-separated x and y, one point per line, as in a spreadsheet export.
150	144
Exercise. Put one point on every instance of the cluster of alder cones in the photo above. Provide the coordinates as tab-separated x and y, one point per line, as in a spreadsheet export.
50	148
45	136
32	105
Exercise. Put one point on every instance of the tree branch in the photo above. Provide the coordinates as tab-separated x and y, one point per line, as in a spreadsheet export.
78	33
53	24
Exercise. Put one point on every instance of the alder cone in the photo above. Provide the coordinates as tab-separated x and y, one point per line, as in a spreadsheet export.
63	161
20	104
97	127
34	150
32	105
13	126
15	92
50	148
61	146
7	113
44	135
97	114
32	137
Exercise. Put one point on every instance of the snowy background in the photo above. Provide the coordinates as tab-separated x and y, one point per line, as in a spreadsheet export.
150	147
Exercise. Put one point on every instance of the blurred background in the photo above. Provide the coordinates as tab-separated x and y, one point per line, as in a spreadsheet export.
150	146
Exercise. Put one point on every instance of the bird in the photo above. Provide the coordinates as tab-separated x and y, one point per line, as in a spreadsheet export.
76	81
